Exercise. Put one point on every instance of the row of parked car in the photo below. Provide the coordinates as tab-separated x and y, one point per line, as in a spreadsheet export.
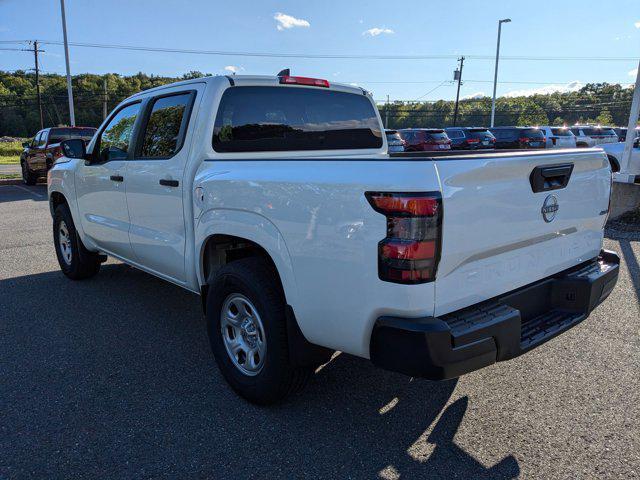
474	138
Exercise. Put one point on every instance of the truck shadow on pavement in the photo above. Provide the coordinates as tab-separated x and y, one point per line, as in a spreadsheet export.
16	193
113	377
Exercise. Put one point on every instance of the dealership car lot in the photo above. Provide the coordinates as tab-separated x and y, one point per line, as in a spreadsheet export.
113	377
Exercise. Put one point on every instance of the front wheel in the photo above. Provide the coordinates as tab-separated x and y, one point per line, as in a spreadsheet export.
27	176
247	332
75	261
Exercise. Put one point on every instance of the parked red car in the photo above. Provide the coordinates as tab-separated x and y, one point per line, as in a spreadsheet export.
425	139
40	153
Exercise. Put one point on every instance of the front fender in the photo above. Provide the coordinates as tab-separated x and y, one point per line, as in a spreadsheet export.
61	179
251	226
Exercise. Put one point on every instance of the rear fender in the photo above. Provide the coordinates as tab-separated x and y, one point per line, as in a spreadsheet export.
251	226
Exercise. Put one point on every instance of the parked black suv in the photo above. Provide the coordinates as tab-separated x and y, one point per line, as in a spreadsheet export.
470	138
519	137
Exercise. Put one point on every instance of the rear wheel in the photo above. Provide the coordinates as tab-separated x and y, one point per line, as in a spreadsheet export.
27	176
247	331
75	261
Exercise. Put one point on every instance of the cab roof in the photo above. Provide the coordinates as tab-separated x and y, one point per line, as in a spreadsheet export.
250	80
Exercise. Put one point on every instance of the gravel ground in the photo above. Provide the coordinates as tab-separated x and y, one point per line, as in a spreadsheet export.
113	378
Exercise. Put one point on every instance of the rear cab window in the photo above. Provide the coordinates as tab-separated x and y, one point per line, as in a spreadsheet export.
272	118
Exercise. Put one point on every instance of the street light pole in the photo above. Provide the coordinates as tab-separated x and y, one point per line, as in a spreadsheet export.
495	74
72	116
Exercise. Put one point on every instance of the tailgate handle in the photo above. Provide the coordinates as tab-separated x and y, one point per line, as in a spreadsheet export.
551	177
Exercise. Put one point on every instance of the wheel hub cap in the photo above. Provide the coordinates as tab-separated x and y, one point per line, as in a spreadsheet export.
243	334
64	239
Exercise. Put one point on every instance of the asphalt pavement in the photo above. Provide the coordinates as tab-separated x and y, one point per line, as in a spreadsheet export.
113	378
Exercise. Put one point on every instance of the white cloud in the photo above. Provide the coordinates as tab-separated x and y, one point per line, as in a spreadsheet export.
287	21
233	68
633	73
637	24
374	32
566	88
475	95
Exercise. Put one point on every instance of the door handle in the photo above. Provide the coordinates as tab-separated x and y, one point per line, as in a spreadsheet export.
169	183
117	178
552	177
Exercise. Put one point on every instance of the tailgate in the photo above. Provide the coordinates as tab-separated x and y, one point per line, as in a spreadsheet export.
495	237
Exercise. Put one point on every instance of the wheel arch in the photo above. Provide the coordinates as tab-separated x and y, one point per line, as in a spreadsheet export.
56	199
615	164
225	235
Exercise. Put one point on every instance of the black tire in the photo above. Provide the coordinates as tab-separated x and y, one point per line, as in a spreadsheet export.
83	263
27	175
254	279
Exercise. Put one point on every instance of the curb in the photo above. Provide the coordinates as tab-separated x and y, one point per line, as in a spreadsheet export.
10	181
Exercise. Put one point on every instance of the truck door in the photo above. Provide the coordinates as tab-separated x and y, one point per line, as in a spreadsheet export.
155	184
101	185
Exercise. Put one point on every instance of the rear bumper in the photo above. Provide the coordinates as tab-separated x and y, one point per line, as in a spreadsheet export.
505	327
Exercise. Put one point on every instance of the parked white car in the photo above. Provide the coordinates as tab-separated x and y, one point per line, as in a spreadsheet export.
614	153
559	137
590	136
274	199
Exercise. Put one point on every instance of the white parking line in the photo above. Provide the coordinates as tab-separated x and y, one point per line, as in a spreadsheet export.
39	195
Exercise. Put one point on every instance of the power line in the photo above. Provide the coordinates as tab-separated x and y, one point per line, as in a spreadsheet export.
331	56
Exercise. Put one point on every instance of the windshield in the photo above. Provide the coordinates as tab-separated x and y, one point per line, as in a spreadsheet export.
57	135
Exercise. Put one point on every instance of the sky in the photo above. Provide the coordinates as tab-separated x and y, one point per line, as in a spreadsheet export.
451	28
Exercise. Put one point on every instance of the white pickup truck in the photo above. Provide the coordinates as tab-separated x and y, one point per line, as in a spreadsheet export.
274	198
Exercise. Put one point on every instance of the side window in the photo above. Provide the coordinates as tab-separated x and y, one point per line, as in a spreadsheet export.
43	139
165	129
114	140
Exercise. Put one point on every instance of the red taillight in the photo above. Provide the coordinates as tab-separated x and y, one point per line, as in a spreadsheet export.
473	140
57	153
524	139
404	205
312	82
411	250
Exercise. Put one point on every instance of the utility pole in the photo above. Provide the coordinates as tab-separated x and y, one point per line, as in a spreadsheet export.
35	54
495	73
386	114
625	161
104	99
72	116
457	75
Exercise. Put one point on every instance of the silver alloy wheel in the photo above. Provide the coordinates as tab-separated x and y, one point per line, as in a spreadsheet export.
65	242
243	334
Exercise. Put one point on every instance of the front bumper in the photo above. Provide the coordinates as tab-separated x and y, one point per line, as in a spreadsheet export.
499	329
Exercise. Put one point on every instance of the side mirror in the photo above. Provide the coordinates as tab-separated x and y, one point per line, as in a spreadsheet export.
26	144
74	148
